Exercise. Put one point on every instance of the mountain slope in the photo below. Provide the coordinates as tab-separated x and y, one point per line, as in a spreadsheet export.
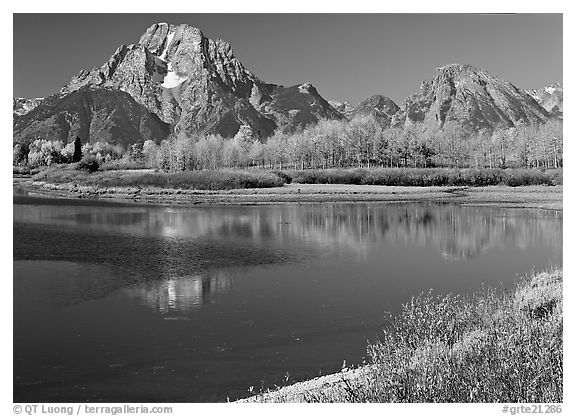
93	115
471	97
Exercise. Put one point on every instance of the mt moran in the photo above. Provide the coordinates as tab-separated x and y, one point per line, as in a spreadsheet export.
177	80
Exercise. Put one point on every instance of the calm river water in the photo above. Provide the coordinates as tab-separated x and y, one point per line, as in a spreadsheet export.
135	303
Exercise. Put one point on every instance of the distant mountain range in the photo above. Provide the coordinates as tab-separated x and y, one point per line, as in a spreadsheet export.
177	80
22	106
551	98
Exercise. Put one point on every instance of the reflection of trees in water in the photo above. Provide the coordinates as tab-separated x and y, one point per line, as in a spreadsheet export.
181	294
456	231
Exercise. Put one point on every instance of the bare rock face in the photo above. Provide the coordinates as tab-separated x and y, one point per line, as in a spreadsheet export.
133	69
380	107
550	98
197	85
470	97
23	106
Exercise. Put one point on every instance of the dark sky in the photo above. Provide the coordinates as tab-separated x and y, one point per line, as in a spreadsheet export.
346	56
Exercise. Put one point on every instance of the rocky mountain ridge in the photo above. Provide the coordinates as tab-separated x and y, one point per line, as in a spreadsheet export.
470	97
99	114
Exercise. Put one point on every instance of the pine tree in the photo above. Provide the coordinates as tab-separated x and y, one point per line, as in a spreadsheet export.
77	156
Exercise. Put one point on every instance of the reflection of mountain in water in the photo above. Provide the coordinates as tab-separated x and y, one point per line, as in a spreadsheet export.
181	294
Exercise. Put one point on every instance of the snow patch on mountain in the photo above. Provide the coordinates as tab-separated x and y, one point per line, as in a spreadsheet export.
305	88
172	79
168	41
550	90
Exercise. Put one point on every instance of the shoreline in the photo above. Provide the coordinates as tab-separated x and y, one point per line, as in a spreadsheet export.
535	303
298	392
543	197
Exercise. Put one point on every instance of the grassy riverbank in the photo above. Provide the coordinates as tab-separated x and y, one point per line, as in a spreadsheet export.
265	187
490	347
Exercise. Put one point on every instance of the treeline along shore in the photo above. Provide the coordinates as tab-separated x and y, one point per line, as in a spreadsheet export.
360	143
361	151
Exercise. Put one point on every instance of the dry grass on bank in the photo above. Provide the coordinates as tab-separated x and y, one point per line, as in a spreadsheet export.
200	180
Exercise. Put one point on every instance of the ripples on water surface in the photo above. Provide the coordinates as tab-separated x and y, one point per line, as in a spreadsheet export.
128	303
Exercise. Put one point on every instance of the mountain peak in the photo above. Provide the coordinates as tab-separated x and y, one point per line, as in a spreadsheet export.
158	36
457	68
378	106
196	84
471	97
466	73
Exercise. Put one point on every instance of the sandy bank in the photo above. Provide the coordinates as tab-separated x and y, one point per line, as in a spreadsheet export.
549	197
329	386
